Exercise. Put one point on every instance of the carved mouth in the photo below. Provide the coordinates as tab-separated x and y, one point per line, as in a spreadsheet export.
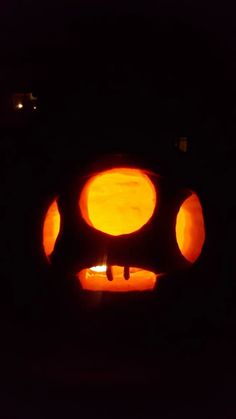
117	279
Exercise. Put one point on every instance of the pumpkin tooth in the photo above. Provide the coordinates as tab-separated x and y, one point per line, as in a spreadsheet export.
109	273
126	273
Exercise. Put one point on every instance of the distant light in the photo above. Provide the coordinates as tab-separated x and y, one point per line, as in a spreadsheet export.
19	105
35	107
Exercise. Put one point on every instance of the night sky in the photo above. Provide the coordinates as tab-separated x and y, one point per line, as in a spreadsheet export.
124	79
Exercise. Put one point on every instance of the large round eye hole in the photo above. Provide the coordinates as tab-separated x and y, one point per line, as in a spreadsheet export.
51	228
118	201
190	229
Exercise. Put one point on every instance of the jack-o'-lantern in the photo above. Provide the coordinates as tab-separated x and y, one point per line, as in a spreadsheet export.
122	227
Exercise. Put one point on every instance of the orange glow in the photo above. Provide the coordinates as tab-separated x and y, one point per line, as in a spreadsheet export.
51	228
95	279
118	201
190	230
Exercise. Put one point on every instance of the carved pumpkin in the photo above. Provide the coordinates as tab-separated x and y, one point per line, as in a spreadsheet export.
121	228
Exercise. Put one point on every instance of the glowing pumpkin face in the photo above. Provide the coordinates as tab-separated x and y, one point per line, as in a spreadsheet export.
122	226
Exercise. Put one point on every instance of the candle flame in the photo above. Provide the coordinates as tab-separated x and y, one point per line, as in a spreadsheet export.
99	268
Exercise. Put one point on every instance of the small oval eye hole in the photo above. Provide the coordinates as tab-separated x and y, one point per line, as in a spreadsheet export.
118	201
190	228
51	228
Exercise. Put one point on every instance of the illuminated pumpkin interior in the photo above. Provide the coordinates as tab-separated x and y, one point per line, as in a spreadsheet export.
118	201
51	228
134	279
190	230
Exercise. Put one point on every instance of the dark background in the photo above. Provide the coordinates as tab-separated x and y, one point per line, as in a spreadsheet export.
124	79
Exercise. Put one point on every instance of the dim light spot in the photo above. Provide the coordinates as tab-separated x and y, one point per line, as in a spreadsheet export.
190	229
183	144
51	228
118	201
95	279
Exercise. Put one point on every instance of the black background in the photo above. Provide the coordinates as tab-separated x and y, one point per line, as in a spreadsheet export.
117	79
